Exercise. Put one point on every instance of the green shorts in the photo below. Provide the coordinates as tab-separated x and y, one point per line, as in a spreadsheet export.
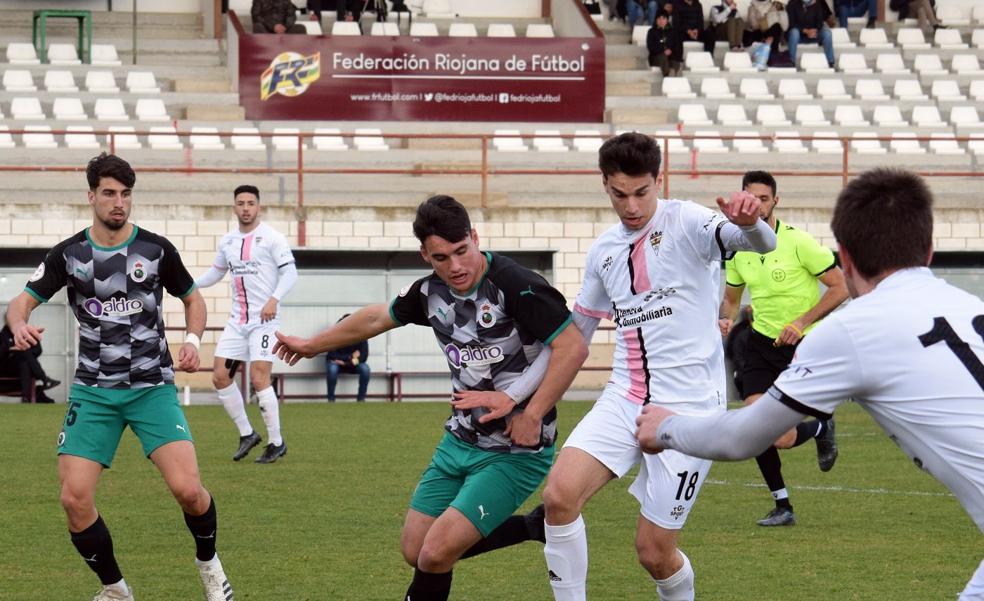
96	418
486	487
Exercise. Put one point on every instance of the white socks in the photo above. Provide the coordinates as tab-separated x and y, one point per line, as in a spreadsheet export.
679	586
119	587
232	400
567	560
270	409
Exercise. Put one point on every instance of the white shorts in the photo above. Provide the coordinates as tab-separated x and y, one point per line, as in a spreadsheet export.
250	342
667	484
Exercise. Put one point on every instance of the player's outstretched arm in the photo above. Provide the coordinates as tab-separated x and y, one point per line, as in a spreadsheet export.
363	324
18	312
729	436
195	316
746	231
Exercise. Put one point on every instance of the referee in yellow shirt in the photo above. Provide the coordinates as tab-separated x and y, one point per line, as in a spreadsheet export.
786	304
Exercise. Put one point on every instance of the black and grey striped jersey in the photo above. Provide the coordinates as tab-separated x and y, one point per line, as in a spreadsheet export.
116	296
489	338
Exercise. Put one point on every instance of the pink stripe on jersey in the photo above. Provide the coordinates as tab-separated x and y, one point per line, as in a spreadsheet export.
640	272
592	312
633	361
240	285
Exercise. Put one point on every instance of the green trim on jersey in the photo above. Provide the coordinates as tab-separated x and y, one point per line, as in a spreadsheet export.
36	296
471	291
190	290
560	329
123	244
393	315
783	283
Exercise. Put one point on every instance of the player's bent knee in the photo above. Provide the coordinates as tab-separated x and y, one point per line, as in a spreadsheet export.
562	505
220	381
190	495
659	560
76	503
435	558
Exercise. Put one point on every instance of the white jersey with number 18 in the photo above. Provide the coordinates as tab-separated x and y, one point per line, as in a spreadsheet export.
661	286
910	353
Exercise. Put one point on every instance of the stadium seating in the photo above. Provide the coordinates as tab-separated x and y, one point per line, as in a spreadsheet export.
965	64
888	116
771	115
788	142
151	109
946	90
587	140
311	27
345	28
462	30
739	62
501	30
18	80
875	39
639	33
965	116
944	143
952	16
369	138
539	30
754	88
142	82
63	54
69	109
438	8
832	89
692	114
677	87
793	89
101	82
248	140
715	87
164	137
905	143
59	81
700	62
732	115
423	30
549	140
38	136
826	142
911	38
841	38
712	145
976	90
849	115
205	138
870	90
814	62
384	29
949	39
928	64
747	141
863	142
80	136
909	90
123	136
328	139
853	63
105	55
927	116
508	144
810	115
110	109
22	53
288	140
890	63
26	108
6	140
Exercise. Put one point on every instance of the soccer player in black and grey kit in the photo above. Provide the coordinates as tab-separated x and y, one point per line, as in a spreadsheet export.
492	318
116	274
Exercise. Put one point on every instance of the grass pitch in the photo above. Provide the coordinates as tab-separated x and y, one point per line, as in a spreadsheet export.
324	523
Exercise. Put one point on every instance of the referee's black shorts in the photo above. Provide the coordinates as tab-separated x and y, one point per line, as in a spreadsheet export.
763	363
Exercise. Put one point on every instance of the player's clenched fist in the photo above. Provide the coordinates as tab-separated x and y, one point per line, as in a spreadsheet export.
649	422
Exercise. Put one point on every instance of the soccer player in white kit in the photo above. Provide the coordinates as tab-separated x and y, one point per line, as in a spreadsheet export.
908	349
263	272
657	276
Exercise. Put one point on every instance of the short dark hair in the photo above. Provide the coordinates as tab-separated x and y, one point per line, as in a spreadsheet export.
109	165
759	177
631	153
662	13
248	189
442	216
884	220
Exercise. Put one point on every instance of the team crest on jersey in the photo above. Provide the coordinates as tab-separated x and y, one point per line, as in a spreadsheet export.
406	289
486	318
38	273
139	272
654	239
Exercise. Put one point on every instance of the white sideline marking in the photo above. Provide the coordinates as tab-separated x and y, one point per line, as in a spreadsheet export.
847	489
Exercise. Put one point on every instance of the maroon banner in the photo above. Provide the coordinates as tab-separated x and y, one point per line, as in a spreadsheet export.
421	79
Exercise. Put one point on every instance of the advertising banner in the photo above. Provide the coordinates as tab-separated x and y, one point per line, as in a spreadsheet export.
363	78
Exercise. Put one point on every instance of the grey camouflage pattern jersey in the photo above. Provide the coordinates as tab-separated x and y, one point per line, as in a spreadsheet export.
116	296
489	338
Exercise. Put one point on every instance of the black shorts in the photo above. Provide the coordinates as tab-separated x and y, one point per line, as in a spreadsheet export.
763	363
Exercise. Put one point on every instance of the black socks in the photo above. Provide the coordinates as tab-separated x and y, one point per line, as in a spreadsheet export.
203	528
427	586
95	545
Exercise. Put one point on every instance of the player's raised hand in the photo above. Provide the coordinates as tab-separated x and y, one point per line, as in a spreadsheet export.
498	403
292	349
26	336
188	359
742	208
649	422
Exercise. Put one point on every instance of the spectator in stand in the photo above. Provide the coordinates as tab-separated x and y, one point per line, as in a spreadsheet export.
665	47
857	8
807	25
641	8
688	20
349	10
275	16
24	366
764	24
920	9
350	360
725	25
